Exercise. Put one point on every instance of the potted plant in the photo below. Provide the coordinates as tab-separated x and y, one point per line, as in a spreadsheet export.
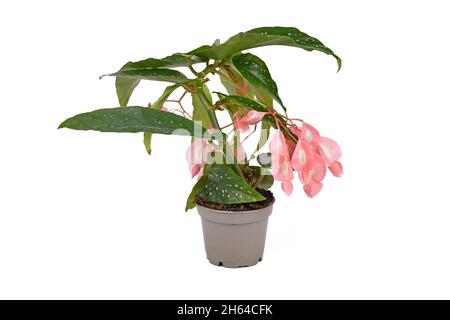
232	188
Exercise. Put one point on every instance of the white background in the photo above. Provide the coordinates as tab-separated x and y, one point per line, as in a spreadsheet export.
91	215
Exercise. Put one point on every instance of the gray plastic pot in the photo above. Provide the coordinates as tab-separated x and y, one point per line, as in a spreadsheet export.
234	239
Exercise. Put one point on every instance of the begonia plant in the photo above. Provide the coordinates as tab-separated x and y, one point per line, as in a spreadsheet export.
226	173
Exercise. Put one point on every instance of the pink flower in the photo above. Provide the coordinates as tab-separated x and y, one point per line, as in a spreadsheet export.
302	156
314	171
281	163
336	169
250	118
197	154
291	147
312	189
311	157
309	134
329	150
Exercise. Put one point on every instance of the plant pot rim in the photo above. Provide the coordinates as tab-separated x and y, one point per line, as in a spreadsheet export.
236	211
245	207
235	217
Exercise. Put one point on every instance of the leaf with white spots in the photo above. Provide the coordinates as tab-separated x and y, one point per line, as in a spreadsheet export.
262	96
293	37
174	60
167	75
255	71
190	202
224	186
125	85
264	36
134	119
241	101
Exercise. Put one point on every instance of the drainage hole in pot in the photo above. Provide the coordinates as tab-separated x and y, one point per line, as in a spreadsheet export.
220	264
260	259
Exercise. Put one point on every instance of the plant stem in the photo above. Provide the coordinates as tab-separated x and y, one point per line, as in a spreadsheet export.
256	184
212	115
226	126
193	71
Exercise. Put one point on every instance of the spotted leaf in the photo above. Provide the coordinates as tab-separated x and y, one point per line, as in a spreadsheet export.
297	39
241	101
167	75
264	36
174	60
134	119
190	202
224	186
128	80
256	72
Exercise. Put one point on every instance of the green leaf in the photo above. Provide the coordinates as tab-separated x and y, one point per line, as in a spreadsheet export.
205	99
224	186
228	72
158	105
261	178
125	84
297	39
124	89
134	119
148	142
200	109
167	75
190	203
175	60
231	78
256	72
259	37
128	80
267	181
264	36
262	96
229	85
241	101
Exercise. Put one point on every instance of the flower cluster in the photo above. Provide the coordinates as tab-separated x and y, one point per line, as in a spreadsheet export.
309	157
302	150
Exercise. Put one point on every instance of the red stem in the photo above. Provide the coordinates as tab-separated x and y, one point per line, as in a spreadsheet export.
226	126
249	134
181	112
282	124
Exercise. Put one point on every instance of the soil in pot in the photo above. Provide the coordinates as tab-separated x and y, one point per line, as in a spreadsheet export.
239	206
